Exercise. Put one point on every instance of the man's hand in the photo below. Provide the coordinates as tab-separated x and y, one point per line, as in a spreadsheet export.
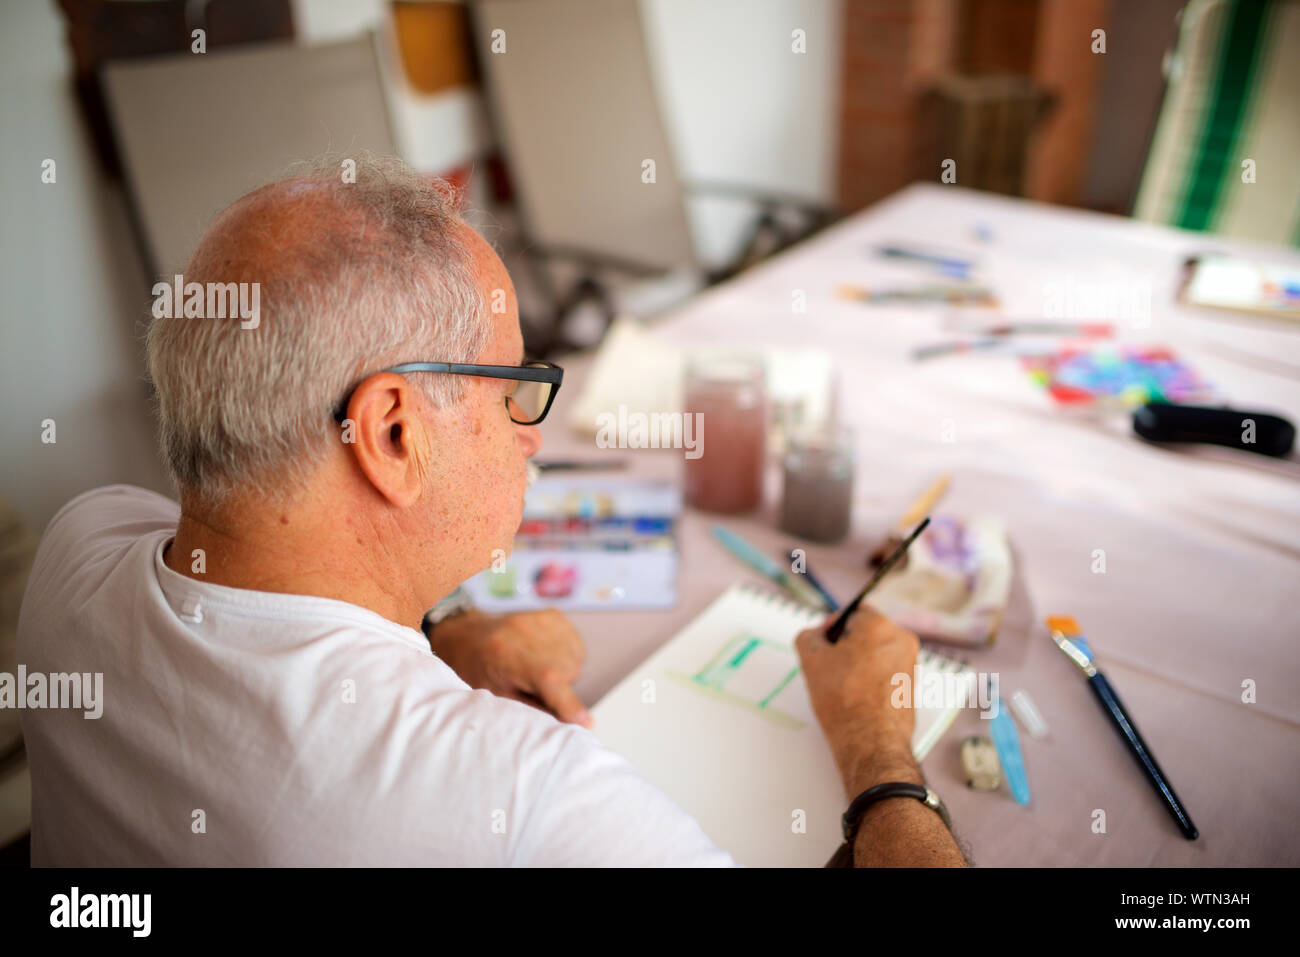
850	684
851	687
532	656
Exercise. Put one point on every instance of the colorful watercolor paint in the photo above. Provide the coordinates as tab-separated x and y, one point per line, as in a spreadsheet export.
1128	376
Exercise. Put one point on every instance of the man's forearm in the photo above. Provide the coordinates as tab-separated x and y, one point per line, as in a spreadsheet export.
898	831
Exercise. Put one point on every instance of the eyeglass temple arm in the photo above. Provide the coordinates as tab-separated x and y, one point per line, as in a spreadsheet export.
552	374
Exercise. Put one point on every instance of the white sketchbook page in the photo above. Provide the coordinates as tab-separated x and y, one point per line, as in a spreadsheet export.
741	768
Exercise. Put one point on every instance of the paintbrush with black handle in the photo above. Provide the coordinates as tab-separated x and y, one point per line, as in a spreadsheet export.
838	625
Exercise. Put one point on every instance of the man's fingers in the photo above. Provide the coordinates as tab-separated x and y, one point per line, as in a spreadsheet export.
560	697
542	652
561	632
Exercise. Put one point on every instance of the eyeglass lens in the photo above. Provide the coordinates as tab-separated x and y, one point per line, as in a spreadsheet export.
529	399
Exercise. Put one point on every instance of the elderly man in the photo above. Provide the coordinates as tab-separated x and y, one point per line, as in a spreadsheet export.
343	463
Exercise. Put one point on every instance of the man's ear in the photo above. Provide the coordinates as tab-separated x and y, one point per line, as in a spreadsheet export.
387	437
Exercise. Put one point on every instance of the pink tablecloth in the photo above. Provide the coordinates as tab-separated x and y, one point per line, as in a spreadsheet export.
1202	549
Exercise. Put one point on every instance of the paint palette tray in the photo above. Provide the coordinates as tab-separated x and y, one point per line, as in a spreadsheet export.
590	544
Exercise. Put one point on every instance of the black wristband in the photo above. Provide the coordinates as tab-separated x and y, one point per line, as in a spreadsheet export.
871	795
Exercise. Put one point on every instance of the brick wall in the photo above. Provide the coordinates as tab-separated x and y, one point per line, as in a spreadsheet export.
893	49
1066	66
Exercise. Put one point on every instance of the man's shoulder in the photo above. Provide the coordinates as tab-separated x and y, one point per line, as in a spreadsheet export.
116	511
92	528
113	505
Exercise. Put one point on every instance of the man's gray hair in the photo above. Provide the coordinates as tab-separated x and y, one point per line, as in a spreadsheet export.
384	279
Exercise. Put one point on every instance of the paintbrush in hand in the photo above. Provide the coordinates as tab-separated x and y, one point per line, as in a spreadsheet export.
841	622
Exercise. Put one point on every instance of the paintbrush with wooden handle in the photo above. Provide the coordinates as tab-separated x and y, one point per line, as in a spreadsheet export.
915	512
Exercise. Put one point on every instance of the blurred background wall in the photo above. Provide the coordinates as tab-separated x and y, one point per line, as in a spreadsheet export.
73	289
75	286
778	116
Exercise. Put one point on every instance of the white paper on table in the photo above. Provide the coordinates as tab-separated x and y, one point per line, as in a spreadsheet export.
736	745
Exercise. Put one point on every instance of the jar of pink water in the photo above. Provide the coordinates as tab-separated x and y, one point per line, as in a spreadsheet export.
727	394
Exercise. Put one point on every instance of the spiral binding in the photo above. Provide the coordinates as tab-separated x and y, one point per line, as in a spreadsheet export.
772	599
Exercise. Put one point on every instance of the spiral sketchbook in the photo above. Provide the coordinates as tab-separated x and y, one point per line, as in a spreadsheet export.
719	718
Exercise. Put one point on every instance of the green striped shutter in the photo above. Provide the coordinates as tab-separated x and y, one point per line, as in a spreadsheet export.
1233	95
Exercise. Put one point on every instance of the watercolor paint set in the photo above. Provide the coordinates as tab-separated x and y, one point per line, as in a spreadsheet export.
588	543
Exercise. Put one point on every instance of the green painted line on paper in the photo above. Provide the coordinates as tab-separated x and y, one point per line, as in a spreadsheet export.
703	675
779	688
749	646
774	715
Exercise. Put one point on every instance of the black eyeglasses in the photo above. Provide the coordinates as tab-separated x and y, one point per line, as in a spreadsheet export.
539	382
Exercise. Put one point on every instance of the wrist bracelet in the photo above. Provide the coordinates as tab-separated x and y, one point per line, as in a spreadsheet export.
843	857
893	789
871	795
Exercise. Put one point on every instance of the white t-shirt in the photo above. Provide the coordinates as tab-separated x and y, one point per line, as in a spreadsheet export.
252	728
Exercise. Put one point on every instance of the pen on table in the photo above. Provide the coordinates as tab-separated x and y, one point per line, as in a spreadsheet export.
1070	639
1004	337
1088	330
958	346
836	628
949	265
765	566
566	466
954	295
1034	327
831	603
